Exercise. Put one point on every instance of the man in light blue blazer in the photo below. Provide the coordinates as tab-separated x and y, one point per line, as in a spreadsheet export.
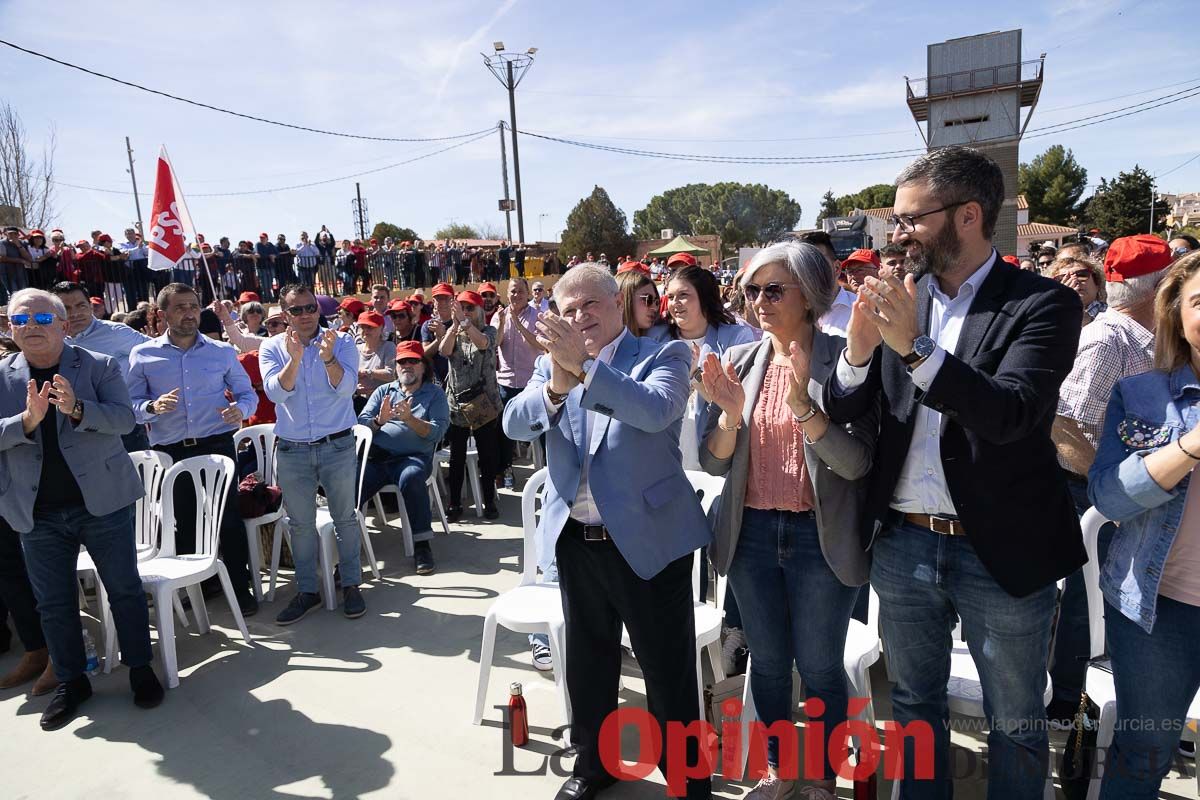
66	480
618	514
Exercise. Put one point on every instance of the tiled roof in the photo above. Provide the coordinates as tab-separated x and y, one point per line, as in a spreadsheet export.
1044	229
884	213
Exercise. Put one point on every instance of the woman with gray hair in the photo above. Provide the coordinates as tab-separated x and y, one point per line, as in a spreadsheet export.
787	532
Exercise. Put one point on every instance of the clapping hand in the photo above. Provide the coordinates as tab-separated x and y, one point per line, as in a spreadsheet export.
564	344
723	386
893	309
231	414
166	403
325	345
862	335
62	395
294	344
37	403
798	398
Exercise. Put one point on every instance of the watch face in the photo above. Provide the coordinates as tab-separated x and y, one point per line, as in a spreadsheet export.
923	346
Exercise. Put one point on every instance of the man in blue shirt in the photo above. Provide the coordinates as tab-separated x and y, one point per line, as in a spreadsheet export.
111	339
177	383
409	416
310	374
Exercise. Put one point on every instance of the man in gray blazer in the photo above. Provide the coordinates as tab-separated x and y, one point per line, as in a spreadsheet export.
66	481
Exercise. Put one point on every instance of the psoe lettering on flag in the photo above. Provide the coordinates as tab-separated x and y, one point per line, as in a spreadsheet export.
170	223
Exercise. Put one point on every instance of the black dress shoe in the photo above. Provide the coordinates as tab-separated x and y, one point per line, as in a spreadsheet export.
577	788
423	558
247	605
66	700
454	513
147	691
491	512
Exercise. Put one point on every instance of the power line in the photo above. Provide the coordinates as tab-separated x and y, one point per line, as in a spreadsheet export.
1175	169
232	113
298	185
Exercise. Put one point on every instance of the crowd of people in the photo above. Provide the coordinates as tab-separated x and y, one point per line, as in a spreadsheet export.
930	419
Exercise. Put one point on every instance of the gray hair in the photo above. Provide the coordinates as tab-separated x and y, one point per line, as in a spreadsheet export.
252	307
960	175
588	274
25	295
1132	292
807	266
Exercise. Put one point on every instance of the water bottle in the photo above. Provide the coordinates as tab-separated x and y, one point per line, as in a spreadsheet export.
93	658
518	729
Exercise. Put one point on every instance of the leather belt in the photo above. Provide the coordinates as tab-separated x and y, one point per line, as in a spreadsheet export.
946	527
200	440
332	436
591	533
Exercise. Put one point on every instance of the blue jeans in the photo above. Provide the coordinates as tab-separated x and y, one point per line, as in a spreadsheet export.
300	468
923	580
51	554
795	611
410	474
1157	675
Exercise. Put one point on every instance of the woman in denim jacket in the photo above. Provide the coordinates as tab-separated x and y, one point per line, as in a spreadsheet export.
1141	478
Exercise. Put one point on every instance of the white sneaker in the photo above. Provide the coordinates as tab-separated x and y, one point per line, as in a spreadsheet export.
541	657
735	640
770	787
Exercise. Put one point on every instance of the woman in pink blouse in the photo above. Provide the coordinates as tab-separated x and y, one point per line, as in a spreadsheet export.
787	534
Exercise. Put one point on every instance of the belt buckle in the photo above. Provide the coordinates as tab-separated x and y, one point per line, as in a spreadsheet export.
594	533
189	442
936	522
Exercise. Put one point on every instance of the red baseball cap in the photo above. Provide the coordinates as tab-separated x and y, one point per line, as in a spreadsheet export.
487	287
36	232
249	297
687	259
1131	256
264	236
633	266
397	305
353	305
104	237
372	318
863	256
467	296
409	350
443	290
96	301
1016	262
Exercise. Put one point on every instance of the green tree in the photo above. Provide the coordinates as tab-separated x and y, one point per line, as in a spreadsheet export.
382	230
1052	184
740	213
829	207
457	230
596	225
879	195
1121	206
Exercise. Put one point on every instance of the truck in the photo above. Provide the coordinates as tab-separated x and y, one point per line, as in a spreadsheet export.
857	231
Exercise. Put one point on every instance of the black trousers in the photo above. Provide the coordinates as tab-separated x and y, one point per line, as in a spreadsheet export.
235	552
507	393
600	591
487	445
16	593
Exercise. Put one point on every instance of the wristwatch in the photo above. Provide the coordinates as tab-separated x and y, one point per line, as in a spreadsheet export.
923	347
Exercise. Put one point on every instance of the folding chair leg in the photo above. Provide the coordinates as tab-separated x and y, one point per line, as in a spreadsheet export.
199	608
367	546
476	484
180	613
436	494
486	651
166	636
255	560
328	554
558	654
231	598
277	538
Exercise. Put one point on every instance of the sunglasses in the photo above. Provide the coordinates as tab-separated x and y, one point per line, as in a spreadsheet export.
307	308
21	320
467	307
1081	274
1180	251
1045	263
408	362
276	323
773	292
649	300
487	294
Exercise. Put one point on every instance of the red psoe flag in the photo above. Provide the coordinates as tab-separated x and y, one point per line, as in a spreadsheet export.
169	220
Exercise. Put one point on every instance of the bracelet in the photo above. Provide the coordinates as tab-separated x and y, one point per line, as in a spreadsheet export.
737	427
330	361
1179	442
812	412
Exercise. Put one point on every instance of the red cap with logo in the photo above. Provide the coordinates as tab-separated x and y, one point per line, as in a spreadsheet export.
372	318
687	259
470	297
397	305
633	266
353	305
249	297
409	350
863	256
1131	256
443	290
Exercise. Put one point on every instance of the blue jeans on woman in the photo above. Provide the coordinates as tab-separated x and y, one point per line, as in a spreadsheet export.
924	580
1156	675
51	554
410	474
795	612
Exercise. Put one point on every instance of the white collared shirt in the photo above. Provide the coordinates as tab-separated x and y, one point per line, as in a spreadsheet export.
585	509
836	320
921	488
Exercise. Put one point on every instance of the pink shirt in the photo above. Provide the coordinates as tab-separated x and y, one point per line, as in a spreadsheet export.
778	477
514	367
1181	574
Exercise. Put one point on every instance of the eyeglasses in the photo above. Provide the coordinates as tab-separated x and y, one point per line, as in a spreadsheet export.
1081	273
21	320
649	300
276	323
772	292
408	362
307	308
908	222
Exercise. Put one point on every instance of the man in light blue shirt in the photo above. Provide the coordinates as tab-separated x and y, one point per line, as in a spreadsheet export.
111	339
177	383
310	374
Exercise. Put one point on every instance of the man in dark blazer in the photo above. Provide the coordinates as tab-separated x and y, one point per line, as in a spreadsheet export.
66	480
618	512
968	514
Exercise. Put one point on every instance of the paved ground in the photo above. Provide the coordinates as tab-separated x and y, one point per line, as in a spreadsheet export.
336	708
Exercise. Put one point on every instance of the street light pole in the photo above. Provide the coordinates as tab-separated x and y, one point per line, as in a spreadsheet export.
504	176
509	69
136	202
512	114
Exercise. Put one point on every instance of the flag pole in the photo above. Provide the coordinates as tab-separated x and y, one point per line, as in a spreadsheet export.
179	197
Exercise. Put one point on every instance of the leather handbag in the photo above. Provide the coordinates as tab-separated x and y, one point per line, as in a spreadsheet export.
476	406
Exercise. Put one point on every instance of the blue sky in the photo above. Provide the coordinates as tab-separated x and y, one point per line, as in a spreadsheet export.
827	75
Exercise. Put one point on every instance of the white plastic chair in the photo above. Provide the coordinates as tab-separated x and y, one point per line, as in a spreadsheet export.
862	650
261	438
531	607
472	472
406	530
168	572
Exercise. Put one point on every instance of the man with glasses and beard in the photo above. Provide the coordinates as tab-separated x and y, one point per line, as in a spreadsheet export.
310	374
967	514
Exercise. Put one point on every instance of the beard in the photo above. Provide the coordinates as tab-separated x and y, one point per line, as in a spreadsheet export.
938	256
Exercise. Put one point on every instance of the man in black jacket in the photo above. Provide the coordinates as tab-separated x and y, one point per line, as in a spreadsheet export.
968	514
